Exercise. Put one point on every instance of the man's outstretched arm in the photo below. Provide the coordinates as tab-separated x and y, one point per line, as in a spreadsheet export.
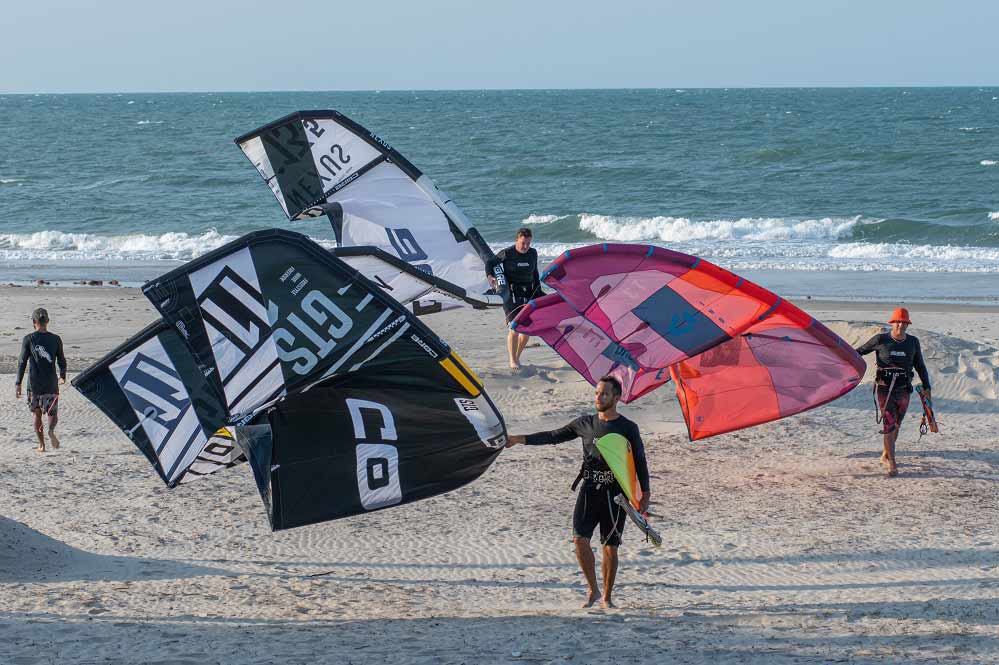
551	437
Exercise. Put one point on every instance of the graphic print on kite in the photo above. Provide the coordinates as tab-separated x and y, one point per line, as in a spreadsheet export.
152	389
383	441
290	335
321	162
272	313
738	354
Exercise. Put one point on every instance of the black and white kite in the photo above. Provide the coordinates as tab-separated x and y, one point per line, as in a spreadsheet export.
321	162
409	285
323	373
374	439
152	389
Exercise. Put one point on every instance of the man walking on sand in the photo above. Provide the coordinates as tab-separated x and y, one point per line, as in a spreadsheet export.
41	353
896	355
518	264
595	503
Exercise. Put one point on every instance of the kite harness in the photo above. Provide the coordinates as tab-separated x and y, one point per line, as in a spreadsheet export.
891	374
601	479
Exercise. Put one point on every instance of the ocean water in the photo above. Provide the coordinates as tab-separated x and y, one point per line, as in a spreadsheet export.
813	182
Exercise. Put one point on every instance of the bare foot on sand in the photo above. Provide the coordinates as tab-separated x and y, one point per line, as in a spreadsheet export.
608	604
590	599
40	449
884	459
54	441
892	470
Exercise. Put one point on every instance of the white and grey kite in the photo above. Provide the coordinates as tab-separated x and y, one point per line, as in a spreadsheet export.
323	163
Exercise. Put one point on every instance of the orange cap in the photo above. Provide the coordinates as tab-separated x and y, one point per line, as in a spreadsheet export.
901	314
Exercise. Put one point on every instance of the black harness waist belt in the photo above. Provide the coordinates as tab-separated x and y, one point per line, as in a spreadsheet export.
599	478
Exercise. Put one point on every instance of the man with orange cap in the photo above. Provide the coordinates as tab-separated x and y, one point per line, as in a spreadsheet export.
897	355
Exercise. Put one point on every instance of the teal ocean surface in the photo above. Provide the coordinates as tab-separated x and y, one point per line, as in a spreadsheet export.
805	181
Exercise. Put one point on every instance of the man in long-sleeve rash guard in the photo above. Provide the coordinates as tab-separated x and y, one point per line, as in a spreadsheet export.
595	503
897	355
41	355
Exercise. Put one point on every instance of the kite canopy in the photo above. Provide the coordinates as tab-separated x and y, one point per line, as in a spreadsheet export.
411	286
321	162
373	439
343	401
152	389
739	355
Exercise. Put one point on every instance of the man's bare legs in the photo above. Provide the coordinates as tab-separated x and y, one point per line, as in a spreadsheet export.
521	345
588	564
609	568
39	431
888	456
53	420
515	343
511	349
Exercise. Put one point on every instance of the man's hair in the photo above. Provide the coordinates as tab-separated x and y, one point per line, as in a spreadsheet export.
40	316
524	232
615	384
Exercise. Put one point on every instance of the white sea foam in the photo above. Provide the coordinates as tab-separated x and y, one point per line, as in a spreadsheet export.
11	181
59	246
989	162
994	216
681	229
825	256
150	122
970	129
540	219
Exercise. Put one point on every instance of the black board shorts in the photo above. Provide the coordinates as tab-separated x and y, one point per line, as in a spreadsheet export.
49	404
595	506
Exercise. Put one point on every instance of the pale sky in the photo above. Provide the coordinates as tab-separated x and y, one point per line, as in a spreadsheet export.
229	45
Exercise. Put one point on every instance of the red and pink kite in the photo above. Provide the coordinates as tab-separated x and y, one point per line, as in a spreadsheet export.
738	354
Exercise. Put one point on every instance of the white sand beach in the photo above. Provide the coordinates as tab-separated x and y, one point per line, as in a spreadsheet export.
784	543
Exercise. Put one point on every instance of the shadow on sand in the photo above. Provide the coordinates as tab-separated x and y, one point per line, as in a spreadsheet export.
29	556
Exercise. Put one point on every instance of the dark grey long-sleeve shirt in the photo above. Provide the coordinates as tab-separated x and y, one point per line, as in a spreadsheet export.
892	353
590	428
41	354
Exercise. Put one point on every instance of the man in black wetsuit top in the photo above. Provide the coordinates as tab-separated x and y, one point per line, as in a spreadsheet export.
518	264
41	353
897	355
595	503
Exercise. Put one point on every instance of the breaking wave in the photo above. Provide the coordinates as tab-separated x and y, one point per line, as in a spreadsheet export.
682	229
539	219
56	245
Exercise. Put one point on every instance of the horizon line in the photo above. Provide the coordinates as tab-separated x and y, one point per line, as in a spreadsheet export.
537	89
